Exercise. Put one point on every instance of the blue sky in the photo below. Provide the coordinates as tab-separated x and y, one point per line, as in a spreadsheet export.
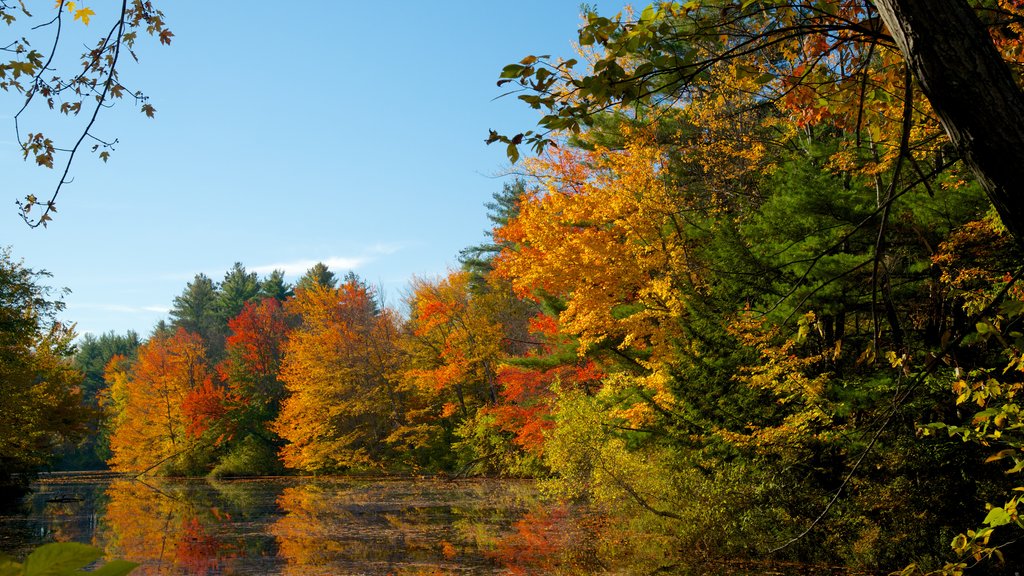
334	132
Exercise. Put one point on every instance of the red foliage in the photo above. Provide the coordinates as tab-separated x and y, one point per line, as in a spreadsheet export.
544	325
204	406
537	544
197	551
257	335
527	399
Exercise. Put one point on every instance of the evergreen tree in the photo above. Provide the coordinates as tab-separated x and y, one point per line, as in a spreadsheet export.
161	329
237	288
196	310
274	286
477	260
318	275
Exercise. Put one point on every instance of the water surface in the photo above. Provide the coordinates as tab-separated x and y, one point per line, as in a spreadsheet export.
306	525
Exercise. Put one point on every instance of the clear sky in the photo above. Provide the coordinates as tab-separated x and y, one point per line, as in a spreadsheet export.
285	134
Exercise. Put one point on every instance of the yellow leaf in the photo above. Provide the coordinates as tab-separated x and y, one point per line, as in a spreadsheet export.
84	14
70	6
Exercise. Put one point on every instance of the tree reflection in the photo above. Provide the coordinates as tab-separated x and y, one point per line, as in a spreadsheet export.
164	528
550	539
430	528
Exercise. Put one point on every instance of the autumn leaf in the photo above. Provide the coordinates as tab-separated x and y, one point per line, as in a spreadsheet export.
84	15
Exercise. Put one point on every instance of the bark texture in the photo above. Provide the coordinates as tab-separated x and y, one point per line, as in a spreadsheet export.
971	89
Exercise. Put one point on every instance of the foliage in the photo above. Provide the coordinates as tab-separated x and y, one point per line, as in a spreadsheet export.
338	369
92	356
196	311
252	456
318	275
160	402
40	389
63	559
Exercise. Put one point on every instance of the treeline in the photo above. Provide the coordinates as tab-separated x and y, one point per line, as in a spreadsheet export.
764	371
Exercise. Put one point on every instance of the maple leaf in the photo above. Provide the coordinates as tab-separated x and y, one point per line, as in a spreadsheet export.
84	14
165	36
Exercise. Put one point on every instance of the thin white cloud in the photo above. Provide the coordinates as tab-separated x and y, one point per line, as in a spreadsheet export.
299	267
385	249
119	308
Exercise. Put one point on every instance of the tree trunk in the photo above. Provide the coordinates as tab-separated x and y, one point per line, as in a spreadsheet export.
972	91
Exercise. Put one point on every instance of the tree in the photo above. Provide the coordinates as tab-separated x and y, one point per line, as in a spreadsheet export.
339	369
196	310
318	275
79	87
274	286
40	389
830	63
237	288
971	88
251	371
151	425
93	355
479	259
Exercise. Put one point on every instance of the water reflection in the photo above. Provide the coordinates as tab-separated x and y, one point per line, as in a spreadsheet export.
409	527
166	528
309	526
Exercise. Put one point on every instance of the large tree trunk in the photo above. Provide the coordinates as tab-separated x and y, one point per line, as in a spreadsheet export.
971	90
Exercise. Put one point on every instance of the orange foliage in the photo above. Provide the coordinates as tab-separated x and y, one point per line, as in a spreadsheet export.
527	399
455	343
338	368
604	235
151	424
205	406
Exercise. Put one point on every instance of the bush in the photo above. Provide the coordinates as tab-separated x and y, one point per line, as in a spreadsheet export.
250	457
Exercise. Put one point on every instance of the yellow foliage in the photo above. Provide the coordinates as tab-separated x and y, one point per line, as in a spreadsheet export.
604	231
338	368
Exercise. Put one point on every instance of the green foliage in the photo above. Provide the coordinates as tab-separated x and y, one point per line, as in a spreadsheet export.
253	456
318	275
40	396
196	310
485	448
64	559
274	286
237	288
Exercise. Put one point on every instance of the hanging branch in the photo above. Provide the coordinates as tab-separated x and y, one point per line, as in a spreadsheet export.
98	79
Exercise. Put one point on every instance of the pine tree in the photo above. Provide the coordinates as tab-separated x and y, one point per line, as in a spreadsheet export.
274	286
237	288
196	310
318	275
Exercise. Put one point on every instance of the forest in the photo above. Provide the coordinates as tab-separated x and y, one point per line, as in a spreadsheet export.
746	295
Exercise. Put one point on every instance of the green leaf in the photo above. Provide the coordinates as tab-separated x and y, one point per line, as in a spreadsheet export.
58	558
513	152
511	71
998	517
115	568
